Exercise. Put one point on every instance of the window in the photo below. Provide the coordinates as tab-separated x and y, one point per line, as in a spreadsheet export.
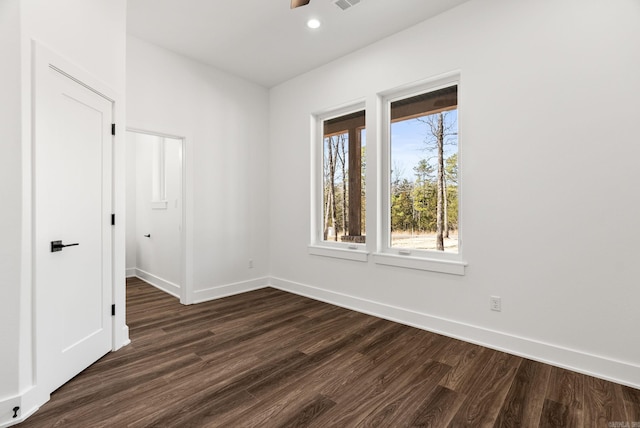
421	216
424	171
158	187
339	206
343	191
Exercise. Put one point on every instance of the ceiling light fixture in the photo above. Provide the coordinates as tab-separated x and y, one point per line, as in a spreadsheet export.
313	23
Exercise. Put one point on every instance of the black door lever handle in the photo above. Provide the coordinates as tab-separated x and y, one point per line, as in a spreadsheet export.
58	246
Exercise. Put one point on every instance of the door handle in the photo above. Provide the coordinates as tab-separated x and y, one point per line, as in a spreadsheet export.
148	235
58	246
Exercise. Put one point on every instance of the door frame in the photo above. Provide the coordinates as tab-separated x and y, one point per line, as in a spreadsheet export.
44	59
185	288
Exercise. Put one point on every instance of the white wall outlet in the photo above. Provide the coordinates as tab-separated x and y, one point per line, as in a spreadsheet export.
250	264
495	303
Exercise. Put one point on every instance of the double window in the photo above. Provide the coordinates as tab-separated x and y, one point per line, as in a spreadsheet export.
418	184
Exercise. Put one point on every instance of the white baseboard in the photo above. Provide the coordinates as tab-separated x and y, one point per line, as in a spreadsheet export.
125	339
160	283
571	359
130	272
27	402
218	292
575	360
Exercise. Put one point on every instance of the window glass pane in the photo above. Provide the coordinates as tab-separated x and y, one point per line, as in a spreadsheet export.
158	189
343	178
424	172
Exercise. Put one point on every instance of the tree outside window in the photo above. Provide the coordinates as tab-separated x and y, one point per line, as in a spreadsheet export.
344	196
423	206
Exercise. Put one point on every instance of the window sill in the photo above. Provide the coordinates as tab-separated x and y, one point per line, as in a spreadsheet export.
159	205
339	253
453	267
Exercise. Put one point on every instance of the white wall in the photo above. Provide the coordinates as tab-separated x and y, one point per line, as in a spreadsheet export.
10	194
90	34
225	124
549	150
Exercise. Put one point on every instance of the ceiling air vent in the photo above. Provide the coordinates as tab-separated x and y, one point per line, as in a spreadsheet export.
346	4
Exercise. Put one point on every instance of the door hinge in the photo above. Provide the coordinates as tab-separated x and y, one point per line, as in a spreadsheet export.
113	310
113	219
113	129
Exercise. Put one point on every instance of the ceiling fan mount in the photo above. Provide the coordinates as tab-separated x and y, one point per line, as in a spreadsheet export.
298	3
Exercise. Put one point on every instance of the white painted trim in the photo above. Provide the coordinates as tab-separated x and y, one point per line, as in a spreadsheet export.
160	283
130	272
125	334
29	403
452	267
621	372
159	205
317	164
218	292
384	248
356	254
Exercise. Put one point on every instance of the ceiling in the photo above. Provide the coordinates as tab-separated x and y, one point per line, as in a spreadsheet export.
265	41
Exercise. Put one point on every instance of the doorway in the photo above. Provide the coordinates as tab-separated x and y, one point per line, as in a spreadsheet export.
155	211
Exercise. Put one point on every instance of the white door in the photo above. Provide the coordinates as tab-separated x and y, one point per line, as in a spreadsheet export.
72	208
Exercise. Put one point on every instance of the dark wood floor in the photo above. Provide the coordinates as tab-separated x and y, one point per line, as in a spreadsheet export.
272	359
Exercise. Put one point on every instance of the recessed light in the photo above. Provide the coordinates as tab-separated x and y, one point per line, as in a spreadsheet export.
313	23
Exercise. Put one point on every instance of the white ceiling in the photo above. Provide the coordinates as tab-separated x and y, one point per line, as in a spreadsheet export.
265	41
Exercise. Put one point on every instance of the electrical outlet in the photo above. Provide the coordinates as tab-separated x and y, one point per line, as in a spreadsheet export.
495	303
250	264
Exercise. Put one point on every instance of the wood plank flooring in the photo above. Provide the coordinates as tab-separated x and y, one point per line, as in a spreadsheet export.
272	359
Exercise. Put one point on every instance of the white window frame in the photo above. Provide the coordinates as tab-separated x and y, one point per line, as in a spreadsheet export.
318	246
158	185
410	258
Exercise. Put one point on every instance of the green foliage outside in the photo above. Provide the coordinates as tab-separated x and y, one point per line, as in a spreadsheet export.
414	203
424	204
413	198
